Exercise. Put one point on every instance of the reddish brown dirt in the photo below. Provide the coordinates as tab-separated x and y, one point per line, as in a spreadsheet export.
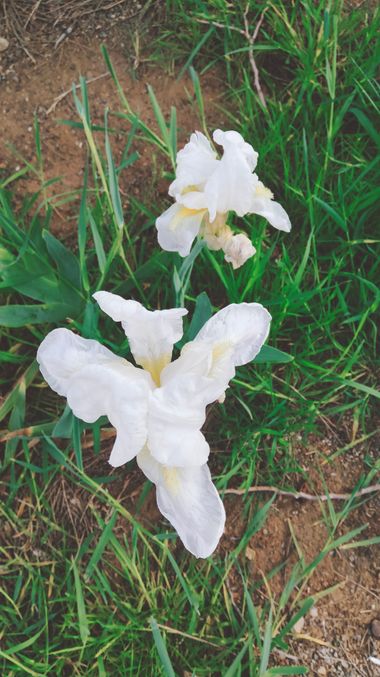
336	635
44	90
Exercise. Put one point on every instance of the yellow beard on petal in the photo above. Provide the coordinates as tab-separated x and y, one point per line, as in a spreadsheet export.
183	213
155	367
220	349
171	479
263	191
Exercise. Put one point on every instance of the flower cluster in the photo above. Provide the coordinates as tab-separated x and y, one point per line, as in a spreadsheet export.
158	408
206	188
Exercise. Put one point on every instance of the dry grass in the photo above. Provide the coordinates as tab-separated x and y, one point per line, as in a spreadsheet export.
43	24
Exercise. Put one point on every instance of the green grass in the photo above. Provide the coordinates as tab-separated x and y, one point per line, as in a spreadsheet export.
86	588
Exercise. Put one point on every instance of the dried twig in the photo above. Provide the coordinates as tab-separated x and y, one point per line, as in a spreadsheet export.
219	25
251	38
32	22
68	91
30	432
114	4
302	494
32	14
110	433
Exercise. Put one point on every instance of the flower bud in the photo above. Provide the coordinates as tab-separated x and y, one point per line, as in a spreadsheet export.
238	249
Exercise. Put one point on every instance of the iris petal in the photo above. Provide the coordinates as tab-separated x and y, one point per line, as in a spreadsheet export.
189	500
96	383
177	228
272	212
245	326
151	334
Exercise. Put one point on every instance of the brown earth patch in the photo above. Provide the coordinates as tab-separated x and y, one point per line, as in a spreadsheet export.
335	638
44	89
31	30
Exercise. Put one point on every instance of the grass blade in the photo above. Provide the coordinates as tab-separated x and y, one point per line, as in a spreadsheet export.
101	545
161	648
84	630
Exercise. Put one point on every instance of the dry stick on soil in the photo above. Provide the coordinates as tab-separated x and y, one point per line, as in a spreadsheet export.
64	94
302	494
110	434
32	13
251	40
13	26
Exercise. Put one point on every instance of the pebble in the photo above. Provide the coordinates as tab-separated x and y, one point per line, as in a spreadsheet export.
322	671
250	553
375	628
4	44
297	627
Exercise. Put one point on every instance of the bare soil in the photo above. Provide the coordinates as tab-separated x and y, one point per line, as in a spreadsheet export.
336	638
43	90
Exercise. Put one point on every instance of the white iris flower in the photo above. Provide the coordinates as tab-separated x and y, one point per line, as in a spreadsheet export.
206	188
158	411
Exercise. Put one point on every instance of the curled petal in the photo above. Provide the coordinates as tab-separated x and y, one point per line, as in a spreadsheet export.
231	185
189	500
151	334
195	163
243	327
238	249
176	414
209	363
177	227
272	212
62	354
96	383
177	409
232	138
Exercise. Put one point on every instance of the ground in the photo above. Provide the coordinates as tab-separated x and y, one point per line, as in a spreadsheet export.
336	637
63	148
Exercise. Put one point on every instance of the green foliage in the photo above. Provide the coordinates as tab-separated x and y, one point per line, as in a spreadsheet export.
123	599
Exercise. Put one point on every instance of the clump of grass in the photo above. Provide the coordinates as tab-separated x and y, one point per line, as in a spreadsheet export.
122	597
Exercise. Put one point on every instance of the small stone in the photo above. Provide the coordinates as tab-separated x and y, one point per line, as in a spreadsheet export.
250	553
298	627
375	628
314	612
322	670
4	44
